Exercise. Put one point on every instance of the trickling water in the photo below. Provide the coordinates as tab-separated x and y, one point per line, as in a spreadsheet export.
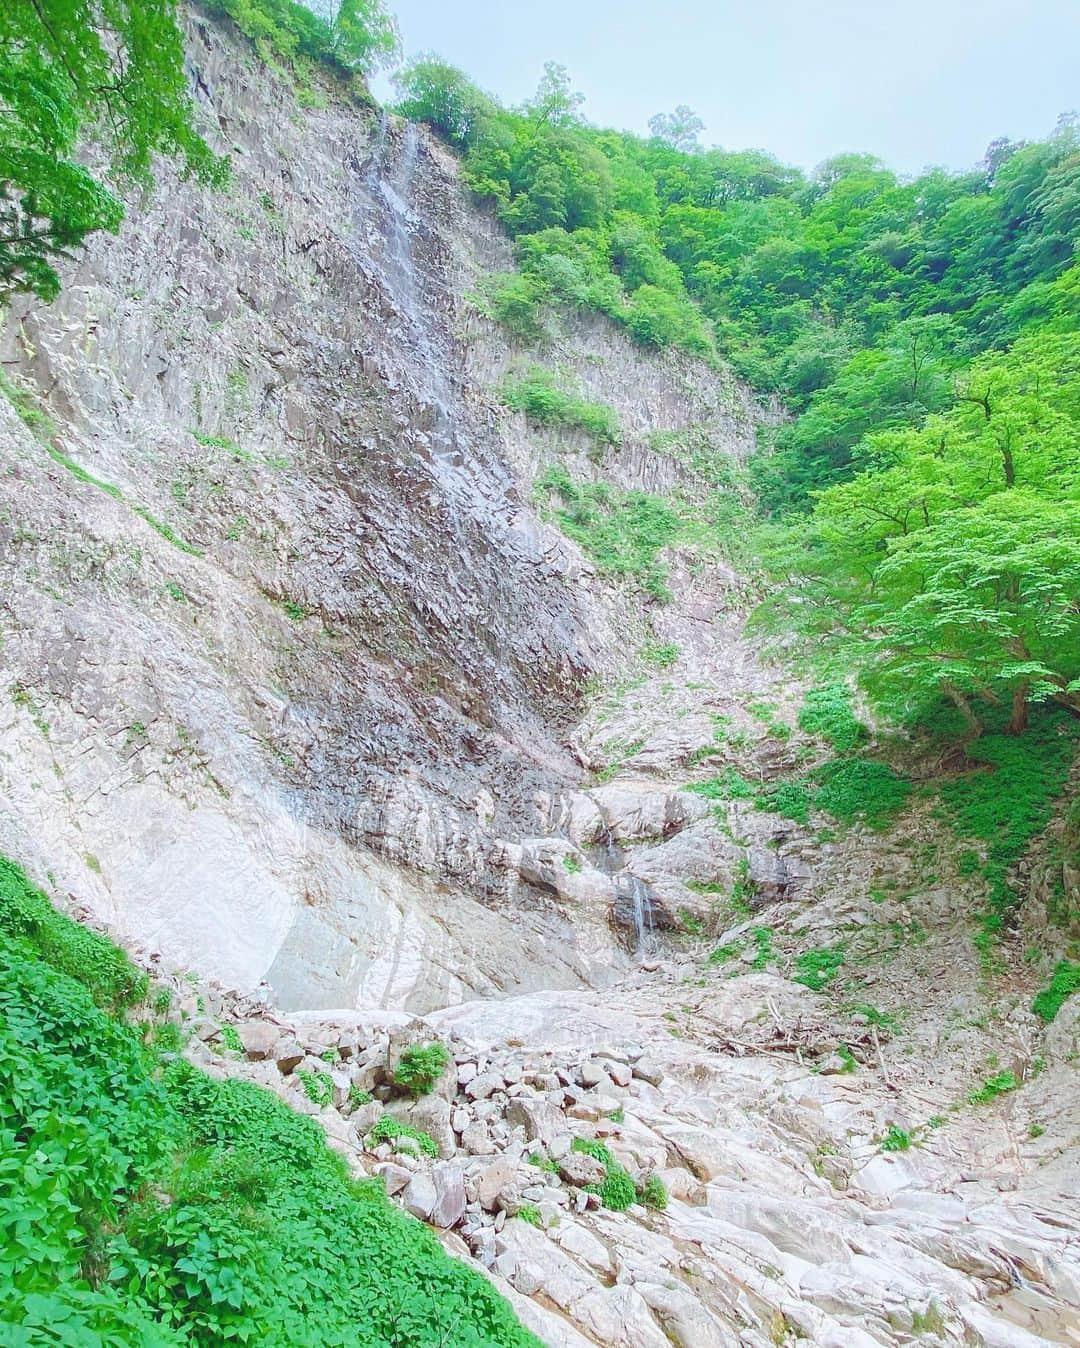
641	908
389	187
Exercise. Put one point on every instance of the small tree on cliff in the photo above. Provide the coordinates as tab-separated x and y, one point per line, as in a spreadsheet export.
69	69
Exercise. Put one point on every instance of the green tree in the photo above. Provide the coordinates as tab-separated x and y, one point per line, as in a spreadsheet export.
72	70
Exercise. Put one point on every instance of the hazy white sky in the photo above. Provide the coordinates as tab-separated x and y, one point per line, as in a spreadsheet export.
923	82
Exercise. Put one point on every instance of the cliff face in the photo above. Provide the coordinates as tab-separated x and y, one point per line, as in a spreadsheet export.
306	656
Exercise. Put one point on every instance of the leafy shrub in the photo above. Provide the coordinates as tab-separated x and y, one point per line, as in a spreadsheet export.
589	1146
791	799
143	1203
358	1096
360	38
517	302
26	914
1000	1084
617	1191
662	654
1064	981
896	1139
529	1212
231	1040
420	1068
1034	768
763	939
727	785
854	788
622	531
654	1193
318	1086
389	1129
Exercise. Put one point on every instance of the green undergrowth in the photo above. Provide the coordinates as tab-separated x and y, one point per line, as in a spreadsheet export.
827	712
144	1203
538	393
624	532
1064	981
851	789
389	1129
617	1189
1004	802
817	968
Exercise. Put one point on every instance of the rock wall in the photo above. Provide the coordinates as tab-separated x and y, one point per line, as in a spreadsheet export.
290	662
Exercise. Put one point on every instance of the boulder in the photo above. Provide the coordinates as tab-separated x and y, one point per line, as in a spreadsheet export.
420	1195
580	1169
489	1182
449	1206
540	1119
259	1038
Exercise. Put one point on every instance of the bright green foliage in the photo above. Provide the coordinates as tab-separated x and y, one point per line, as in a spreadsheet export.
389	1129
763	940
590	1147
231	1040
318	1086
860	788
827	712
529	1212
617	1191
1063	983
949	565
853	294
145	1205
420	1068
654	1193
817	968
353	37
1007	802
994	1086
896	1139
70	69
791	799
624	532
662	654
358	1096
728	785
537	392
26	915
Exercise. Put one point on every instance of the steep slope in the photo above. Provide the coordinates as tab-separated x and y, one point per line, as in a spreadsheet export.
275	463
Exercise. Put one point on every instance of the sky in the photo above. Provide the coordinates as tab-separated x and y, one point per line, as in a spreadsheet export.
917	83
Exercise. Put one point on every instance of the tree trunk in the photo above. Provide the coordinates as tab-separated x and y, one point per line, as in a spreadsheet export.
1019	719
963	706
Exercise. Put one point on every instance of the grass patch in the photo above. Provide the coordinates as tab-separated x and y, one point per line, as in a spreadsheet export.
815	969
1001	1084
420	1068
827	712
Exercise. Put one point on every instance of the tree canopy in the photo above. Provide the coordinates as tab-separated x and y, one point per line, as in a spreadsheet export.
70	70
